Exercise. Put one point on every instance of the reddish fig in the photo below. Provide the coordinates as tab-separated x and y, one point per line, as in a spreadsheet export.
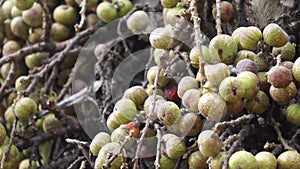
258	104
283	95
235	107
279	76
246	65
190	124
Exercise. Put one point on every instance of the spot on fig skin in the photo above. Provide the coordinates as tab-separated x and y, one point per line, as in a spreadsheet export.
220	53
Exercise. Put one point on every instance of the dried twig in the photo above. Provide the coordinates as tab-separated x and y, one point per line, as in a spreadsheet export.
221	126
72	165
9	78
279	135
82	15
158	147
218	17
47	22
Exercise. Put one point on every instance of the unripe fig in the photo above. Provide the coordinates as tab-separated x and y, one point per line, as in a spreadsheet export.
166	162
168	113
283	95
218	160
288	160
23	4
89	3
25	108
212	106
170	15
231	89
167	137
250	82
236	34
119	135
65	14
13	156
274	35
9	115
258	104
124	7
33	16
35	36
175	147
124	110
216	73
185	84
168	3
250	37
279	76
2	134
106	152
137	94
163	80
161	56
98	142
51	123
7	30
106	12
190	99
24	164
10	47
246	65
287	51
208	87
15	12
263	81
261	61
223	46
59	32
243	54
226	11
149	105
292	114
242	159
266	160
91	19
209	143
138	21
36	59
190	124
112	123
296	69
7	7
161	37
22	83
197	160
235	107
19	27
210	59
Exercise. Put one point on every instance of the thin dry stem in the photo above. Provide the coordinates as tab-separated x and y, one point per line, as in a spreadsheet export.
82	15
158	147
279	135
218	17
221	126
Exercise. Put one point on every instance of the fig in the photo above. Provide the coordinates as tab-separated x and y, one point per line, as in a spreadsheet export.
186	83
24	164
287	51
274	35
296	69
168	3
10	47
138	21
216	73
168	112
287	64
258	104
91	19
231	89
7	7
137	94
261	61
208	87
190	124
236	34
279	76
19	27
197	160
171	91
263	81
35	36
266	160
166	137
98	142
23	4
119	135
175	147
288	160
2	134
106	152
166	162
170	15
209	143
149	104
250	82
292	114
89	3
235	107
132	127
246	65
25	108
243	54
163	80
161	37
106	12
124	7
124	110
51	123
190	99
223	46
218	160
283	95
226	11
15	12
13	156
161	56
59	32
113	123
250	37
7	30
33	16
36	59
65	14
212	106
22	83
242	159
194	56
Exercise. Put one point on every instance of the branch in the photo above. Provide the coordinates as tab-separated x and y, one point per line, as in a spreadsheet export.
279	135
218	17
158	148
82	15
47	22
9	78
221	126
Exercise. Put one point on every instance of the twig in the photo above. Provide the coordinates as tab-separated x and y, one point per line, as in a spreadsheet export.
47	22
72	165
279	135
221	126
82	15
218	17
158	147
9	78
80	145
51	80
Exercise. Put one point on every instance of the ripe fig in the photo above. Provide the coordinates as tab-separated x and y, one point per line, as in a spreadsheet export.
292	114
36	59
261	61
296	69
250	82
197	160
258	104
33	16
190	124
137	94
169	3
59	32
236	34
11	46
194	56
51	123
106	12
246	65
124	110
65	14
171	91
209	143
212	106
175	147
279	76
250	37
163	80
23	4
226	11
19	27
138	21
190	99
283	95
274	35
242	159
98	142
287	64
223	46
288	160
216	73
25	108
231	89
287	51
263	81
106	152
266	160
235	107
185	84
168	112
22	83
166	162
243	54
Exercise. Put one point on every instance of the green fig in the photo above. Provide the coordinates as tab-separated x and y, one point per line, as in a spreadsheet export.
186	83
250	37
106	12
175	147
197	160
242	159
292	114
274	35
137	94
25	108
23	4
266	160
190	124
296	69
216	73
250	82
288	160
163	80
33	16
168	112
287	51
65	14
98	142
168	3
209	143
106	152
138	21
231	89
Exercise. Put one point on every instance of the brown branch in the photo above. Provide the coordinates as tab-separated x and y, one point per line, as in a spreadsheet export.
158	147
82	15
279	135
51	80
218	17
9	78
221	126
47	22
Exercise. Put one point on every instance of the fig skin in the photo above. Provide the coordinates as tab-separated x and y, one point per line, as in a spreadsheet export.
168	3
36	59
283	95
59	32
296	69
197	160
266	160
236	107
170	15
242	159
287	51
106	12
23	4
98	142
231	89
25	108
226	11
34	16
190	124
216	73
292	114
258	104
185	84
137	94
2	134
209	143
175	147
190	99
288	160
279	76
236	34
51	123
163	80
10	47
287	64
138	21
22	82
250	82
65	14
263	81
168	113
166	162
119	135
261	62
218	160
19	27
194	56
161	37
274	35
250	37
124	110
149	104
246	65
243	54
106	152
